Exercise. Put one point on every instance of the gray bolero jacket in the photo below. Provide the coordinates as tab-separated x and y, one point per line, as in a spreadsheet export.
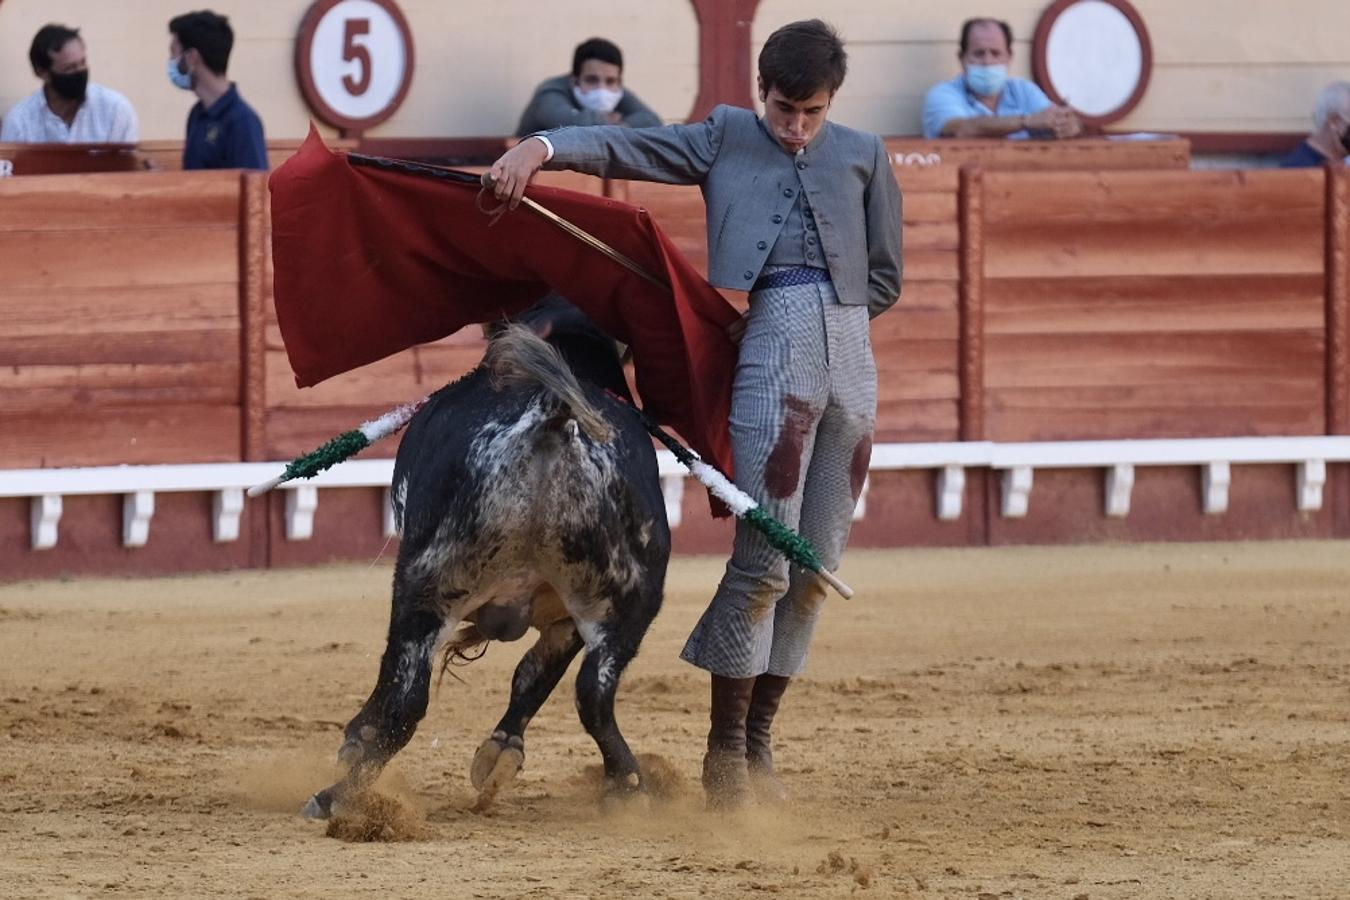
750	183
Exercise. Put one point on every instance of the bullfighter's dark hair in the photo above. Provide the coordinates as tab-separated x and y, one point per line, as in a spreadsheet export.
209	34
802	59
49	39
596	48
968	24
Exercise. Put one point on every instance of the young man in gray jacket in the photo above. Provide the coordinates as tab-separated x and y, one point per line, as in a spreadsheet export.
805	215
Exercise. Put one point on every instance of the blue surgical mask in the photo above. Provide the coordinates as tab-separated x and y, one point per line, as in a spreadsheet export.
986	81
179	78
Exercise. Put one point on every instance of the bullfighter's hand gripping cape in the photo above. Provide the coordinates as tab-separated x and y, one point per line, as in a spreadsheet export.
370	261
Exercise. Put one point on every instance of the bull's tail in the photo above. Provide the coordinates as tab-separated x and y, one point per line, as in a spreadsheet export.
517	355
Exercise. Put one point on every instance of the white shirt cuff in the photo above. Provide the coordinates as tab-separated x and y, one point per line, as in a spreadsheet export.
548	145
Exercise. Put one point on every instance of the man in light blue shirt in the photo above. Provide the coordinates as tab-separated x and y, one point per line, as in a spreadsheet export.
984	102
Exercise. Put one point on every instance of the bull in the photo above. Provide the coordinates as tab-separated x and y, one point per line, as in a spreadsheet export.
528	496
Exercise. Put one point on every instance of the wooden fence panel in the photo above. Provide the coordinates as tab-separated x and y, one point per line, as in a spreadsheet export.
102	201
917	343
1133	304
300	419
121	311
142	432
1338	301
1084	153
1153	304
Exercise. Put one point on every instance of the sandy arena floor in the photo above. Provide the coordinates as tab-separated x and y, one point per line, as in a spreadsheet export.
1158	721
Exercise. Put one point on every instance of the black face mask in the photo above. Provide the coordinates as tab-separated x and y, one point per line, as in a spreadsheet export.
71	85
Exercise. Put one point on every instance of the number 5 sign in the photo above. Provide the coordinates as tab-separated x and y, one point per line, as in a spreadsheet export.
354	61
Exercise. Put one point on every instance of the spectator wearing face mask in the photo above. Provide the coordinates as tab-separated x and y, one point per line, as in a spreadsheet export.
592	95
983	101
223	132
1330	140
69	108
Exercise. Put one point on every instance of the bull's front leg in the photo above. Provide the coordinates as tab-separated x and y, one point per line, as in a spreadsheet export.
389	718
502	755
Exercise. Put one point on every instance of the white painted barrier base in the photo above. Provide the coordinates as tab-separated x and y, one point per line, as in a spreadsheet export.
1015	463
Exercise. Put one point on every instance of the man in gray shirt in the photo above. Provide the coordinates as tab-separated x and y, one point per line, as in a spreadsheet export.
805	215
592	95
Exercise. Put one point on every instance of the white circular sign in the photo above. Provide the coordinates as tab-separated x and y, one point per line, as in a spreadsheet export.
1094	57
355	60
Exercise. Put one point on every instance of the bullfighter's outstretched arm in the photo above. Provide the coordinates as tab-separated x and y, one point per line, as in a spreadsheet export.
672	154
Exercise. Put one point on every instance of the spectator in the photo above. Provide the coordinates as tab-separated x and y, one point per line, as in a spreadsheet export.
69	108
223	132
592	95
1330	139
984	102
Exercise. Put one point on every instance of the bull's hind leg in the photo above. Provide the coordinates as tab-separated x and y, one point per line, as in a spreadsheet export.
502	755
608	652
387	721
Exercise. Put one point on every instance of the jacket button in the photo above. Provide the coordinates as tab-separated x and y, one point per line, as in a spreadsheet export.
762	246
778	220
749	276
810	240
810	256
801	165
787	192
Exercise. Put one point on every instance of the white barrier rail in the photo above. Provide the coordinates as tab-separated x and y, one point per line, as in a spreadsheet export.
1016	463
227	483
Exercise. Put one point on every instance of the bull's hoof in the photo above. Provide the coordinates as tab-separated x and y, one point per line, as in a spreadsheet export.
350	753
498	760
624	792
320	806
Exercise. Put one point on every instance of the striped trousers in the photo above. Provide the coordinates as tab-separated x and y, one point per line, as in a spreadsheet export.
803	410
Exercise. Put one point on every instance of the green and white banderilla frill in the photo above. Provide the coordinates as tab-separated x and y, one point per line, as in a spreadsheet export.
788	542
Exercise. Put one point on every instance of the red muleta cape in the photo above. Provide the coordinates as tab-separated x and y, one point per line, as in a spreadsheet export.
371	261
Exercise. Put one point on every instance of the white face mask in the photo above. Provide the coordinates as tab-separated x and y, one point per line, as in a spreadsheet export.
599	100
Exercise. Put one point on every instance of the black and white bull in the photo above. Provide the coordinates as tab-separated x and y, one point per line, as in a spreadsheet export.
527	496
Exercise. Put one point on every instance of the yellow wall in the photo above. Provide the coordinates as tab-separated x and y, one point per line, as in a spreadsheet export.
1219	65
477	63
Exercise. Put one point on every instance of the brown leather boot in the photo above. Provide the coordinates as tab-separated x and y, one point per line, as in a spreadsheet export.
725	777
764	700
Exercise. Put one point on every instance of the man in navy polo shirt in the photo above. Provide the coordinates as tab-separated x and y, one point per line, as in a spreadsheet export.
223	132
